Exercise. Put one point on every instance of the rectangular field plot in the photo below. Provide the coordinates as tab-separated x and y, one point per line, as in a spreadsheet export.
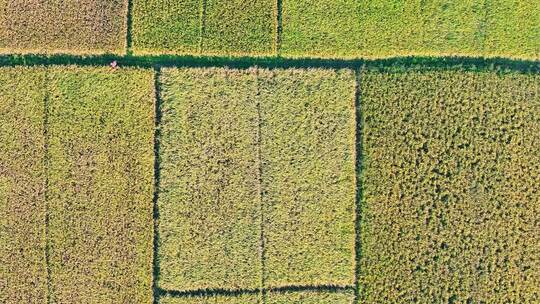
23	272
320	28
450	185
239	27
163	26
209	201
240	299
382	28
450	27
210	27
512	28
311	297
53	26
401	28
308	176
101	127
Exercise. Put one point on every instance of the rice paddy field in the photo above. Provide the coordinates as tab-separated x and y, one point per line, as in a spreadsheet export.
339	29
450	202
80	27
269	152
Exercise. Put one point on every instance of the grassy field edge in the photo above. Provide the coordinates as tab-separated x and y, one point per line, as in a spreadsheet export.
169	60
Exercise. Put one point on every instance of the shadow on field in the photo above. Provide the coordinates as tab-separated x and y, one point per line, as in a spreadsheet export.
395	64
359	193
157	161
239	292
129	29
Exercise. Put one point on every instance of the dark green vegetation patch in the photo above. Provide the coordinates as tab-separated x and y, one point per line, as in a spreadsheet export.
210	27
54	26
256	168
23	269
450	185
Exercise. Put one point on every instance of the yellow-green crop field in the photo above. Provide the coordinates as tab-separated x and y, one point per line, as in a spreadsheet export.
178	184
23	270
246	183
55	26
311	297
76	185
337	29
209	200
100	130
450	178
210	27
240	299
269	151
383	28
308	176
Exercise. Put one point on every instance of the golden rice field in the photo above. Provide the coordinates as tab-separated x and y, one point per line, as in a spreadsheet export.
341	29
269	151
